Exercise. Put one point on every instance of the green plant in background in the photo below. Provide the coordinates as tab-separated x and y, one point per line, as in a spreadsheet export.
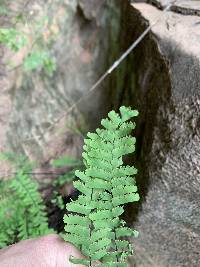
66	178
3	8
13	39
8	214
22	212
38	60
37	38
21	202
106	185
70	162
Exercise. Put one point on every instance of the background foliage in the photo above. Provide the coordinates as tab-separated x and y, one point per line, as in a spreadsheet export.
30	34
23	212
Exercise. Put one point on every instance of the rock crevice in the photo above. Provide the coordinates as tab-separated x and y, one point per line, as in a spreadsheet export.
184	7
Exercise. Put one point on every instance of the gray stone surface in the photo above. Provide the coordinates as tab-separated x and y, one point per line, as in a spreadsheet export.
85	47
186	7
166	91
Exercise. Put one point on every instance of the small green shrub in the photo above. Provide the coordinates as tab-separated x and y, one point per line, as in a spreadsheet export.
94	226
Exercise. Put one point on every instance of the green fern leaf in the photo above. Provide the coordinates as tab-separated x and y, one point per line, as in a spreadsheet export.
123	190
79	261
120	200
109	124
123	181
109	223
99	253
124	171
98	184
76	219
106	185
99	245
101	233
128	113
81	175
122	244
74	206
79	230
125	231
101	214
114	117
82	188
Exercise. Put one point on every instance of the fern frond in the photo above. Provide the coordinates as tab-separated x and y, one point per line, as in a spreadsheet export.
106	185
23	213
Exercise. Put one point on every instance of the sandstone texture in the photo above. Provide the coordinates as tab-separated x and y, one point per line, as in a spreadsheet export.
166	91
186	7
35	120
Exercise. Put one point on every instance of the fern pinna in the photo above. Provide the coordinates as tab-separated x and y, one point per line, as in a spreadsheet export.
94	226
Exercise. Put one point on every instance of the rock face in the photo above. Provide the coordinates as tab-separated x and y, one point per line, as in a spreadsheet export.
166	90
191	7
37	122
160	78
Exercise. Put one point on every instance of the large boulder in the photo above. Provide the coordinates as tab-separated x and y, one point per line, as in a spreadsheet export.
166	90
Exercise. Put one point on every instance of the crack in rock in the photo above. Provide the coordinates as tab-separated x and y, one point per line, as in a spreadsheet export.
183	7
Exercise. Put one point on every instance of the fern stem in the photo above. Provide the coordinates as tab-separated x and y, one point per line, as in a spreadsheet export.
26	222
91	228
114	230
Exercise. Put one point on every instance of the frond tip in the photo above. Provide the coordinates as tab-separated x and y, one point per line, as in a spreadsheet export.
106	186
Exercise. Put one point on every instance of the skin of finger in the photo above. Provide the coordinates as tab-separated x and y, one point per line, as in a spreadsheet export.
47	251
